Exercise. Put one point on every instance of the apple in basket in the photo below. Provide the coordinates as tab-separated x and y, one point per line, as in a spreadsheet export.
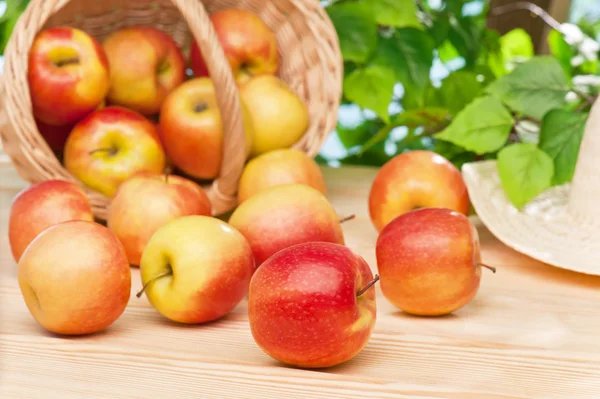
74	278
196	269
110	145
285	215
145	65
191	129
312	305
429	261
68	75
165	198
416	179
284	166
249	45
43	205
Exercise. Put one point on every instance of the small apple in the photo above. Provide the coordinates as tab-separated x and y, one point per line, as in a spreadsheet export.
429	261
145	65
74	278
279	116
273	168
196	269
281	216
110	145
312	305
68	75
416	179
42	205
191	129
56	136
249	44
163	198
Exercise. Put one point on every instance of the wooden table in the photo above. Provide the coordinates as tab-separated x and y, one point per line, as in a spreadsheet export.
533	331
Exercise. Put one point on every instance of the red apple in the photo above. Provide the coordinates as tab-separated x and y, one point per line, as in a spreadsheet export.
42	205
249	45
111	145
429	261
164	198
145	65
191	129
312	305
68	75
284	215
416	179
55	136
74	278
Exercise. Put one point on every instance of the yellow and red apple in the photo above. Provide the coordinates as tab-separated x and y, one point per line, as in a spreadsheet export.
164	198
43	205
416	179
74	278
145	65
312	305
429	261
249	44
273	168
68	75
196	269
111	145
286	215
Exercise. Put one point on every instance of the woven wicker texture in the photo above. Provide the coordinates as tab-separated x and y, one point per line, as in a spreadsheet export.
310	63
562	225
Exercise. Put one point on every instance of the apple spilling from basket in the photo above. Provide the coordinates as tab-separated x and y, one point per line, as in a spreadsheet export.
311	300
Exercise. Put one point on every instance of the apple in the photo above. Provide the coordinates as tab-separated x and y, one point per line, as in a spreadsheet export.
196	269
68	75
312	305
429	261
279	116
163	198
191	129
74	278
56	136
42	205
145	65
273	168
416	179
249	44
281	216
110	145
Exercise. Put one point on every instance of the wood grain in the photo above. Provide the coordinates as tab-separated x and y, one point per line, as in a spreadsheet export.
531	332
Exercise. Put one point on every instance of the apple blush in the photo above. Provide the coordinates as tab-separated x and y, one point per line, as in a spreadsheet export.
312	305
429	261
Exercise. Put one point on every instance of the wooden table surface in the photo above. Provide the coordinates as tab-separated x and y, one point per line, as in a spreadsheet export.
531	332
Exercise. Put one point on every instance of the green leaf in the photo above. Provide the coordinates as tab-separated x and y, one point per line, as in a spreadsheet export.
515	46
482	126
447	52
371	87
375	156
356	28
525	172
352	136
398	13
465	35
457	90
561	50
533	88
560	137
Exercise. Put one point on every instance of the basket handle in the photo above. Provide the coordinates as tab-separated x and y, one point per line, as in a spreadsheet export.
223	191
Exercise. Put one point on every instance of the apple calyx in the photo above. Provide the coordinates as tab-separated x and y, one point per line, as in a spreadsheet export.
112	151
200	107
164	274
369	285
347	218
492	268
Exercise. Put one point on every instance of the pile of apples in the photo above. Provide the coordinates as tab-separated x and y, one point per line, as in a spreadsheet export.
133	103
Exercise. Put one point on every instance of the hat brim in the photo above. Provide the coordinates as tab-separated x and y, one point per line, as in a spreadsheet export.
543	229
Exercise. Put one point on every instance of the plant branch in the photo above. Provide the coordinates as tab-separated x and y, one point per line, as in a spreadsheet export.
525	5
588	101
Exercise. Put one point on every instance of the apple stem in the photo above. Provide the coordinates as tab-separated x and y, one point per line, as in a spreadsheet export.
492	268
347	218
111	151
366	287
165	274
168	171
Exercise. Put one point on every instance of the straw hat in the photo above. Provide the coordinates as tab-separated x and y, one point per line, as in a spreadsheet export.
561	226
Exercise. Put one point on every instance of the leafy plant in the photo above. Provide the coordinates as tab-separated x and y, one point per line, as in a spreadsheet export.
496	99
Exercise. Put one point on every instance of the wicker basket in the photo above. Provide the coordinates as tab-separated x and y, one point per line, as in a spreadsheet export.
310	64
